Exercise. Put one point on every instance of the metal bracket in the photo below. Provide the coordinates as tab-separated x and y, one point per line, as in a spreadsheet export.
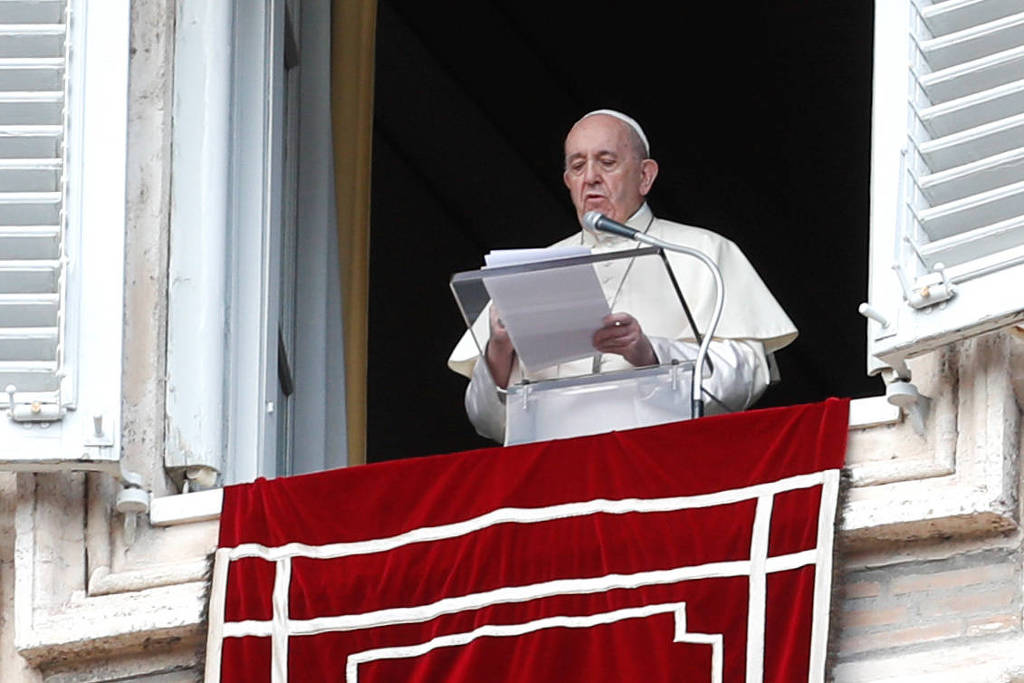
526	395
32	408
132	499
901	392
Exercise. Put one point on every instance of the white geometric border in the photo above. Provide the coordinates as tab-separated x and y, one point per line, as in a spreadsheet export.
512	630
280	627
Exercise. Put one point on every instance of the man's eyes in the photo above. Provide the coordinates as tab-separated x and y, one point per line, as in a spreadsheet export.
606	163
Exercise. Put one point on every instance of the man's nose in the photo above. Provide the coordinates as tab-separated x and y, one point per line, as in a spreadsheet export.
591	174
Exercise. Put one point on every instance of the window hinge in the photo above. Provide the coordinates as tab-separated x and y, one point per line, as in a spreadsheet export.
32	408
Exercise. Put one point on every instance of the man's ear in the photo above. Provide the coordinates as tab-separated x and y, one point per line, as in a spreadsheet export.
648	172
565	178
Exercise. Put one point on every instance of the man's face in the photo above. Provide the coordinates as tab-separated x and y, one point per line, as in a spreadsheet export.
603	170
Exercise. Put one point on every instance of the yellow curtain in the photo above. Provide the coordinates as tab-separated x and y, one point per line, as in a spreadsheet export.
353	26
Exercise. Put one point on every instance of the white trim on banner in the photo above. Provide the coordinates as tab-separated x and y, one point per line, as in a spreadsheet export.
512	630
757	593
526	516
280	627
823	575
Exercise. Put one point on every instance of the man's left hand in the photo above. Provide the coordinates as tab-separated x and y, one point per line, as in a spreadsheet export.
621	333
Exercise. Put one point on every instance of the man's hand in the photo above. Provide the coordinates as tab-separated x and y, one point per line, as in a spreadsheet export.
500	352
621	334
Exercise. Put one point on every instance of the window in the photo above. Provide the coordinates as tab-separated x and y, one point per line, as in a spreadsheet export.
947	174
63	109
253	300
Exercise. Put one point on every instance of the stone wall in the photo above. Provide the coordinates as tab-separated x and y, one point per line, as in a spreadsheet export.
892	603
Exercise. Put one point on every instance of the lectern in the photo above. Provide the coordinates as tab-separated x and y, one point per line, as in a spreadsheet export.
563	387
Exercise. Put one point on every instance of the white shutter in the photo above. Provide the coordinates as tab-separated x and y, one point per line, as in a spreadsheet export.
63	137
32	118
948	256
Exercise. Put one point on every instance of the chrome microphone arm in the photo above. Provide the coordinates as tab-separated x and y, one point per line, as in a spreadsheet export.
596	220
697	386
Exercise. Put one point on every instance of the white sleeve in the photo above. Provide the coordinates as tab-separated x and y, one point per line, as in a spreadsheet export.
484	406
740	373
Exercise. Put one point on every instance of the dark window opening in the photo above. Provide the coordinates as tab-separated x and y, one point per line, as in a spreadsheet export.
758	116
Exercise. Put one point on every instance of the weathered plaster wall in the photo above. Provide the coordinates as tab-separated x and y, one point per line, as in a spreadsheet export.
146	239
12	666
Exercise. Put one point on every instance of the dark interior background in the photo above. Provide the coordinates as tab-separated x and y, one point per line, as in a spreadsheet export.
757	112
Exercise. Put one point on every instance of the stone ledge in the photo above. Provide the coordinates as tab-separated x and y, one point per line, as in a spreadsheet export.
115	624
957	479
999	658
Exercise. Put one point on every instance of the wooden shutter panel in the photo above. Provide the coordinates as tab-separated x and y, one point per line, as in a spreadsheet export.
32	121
958	256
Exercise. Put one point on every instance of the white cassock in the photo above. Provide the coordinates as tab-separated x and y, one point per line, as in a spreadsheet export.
752	322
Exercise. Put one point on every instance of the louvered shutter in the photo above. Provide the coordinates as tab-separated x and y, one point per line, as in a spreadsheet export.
63	141
32	122
956	250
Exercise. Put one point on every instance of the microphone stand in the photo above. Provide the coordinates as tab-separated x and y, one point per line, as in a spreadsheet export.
602	222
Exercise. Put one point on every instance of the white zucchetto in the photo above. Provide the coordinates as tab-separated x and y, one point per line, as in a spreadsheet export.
628	120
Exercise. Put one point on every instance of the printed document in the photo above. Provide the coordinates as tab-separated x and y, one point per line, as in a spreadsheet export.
551	314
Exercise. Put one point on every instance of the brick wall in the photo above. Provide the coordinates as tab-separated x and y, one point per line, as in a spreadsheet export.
914	604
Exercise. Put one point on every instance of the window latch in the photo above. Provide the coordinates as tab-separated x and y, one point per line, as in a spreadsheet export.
929	289
26	408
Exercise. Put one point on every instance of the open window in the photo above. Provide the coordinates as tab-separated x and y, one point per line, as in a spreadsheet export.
254	313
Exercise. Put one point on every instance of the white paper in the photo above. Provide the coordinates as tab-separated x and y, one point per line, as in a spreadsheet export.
515	257
551	315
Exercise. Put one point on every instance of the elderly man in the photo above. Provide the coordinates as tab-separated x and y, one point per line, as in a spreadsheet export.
608	169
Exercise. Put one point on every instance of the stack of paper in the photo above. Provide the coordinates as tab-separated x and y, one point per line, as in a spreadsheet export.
551	314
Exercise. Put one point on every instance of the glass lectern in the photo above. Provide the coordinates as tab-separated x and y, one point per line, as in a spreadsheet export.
551	308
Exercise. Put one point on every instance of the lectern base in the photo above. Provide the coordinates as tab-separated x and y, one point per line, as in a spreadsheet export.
594	404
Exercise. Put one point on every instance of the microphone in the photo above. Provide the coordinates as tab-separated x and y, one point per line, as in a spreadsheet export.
595	220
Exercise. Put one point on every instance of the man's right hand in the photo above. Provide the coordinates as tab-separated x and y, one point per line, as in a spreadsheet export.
621	333
500	353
